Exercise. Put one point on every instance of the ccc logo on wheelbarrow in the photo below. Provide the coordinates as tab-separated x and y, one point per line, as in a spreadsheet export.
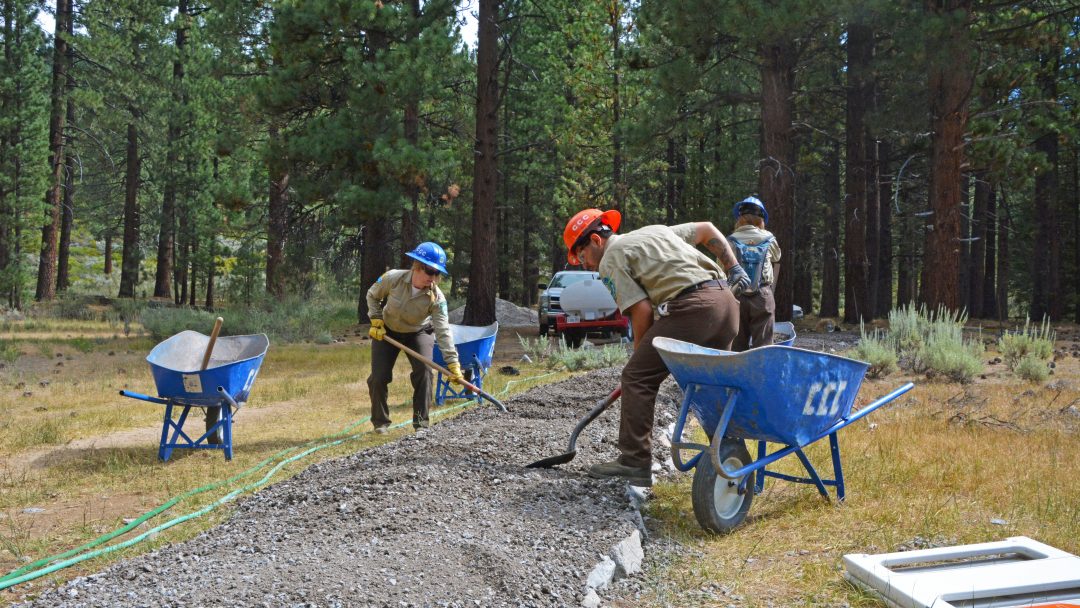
817	400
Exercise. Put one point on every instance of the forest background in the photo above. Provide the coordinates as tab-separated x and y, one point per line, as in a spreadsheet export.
246	152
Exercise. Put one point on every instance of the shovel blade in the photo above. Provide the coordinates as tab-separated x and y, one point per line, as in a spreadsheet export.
552	461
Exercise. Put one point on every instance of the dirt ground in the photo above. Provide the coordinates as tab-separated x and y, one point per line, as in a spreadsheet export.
447	518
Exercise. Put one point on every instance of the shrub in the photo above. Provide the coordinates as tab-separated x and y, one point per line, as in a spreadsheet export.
1032	368
165	322
292	320
8	352
575	359
1035	342
538	349
876	350
947	354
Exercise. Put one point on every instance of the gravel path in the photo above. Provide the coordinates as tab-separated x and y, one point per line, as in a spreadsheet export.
447	518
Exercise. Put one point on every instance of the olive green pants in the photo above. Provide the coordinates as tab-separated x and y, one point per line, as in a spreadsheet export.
383	357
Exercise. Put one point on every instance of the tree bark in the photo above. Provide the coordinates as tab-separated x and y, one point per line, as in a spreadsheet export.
277	227
374	257
1002	293
167	233
617	187
67	215
977	271
1046	300
803	247
776	179
530	269
950	80
480	301
860	50
885	238
989	290
129	265
108	254
410	214
46	279
830	244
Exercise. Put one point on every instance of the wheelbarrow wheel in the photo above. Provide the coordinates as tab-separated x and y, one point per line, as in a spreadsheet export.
718	504
213	416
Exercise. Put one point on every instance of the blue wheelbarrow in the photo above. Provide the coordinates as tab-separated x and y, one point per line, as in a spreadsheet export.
219	381
773	394
475	347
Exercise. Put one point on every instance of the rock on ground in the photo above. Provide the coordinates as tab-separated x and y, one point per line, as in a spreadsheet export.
448	518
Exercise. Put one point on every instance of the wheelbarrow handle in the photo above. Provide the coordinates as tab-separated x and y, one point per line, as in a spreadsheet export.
435	366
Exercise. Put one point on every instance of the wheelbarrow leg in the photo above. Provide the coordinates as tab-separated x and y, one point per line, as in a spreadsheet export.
759	481
812	472
838	470
163	451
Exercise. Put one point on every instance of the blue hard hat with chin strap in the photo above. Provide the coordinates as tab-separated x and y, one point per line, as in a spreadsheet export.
751	205
430	254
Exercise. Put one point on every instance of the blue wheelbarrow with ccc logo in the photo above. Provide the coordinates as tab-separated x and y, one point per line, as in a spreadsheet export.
773	394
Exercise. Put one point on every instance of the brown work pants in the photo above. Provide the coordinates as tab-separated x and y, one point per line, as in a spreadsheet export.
383	357
756	314
708	317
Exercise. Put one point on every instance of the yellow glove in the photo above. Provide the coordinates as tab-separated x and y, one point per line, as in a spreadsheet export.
455	373
378	330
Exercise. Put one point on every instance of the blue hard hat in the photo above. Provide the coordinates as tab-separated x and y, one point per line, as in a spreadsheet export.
430	254
750	204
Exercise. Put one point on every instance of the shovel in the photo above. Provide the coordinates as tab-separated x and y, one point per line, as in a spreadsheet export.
571	450
435	366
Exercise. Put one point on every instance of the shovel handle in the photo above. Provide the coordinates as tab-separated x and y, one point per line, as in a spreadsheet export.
210	346
435	366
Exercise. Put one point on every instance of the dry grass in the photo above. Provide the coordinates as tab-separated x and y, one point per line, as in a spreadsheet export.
938	466
88	456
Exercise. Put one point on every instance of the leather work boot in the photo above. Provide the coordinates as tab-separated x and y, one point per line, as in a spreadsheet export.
641	477
382	429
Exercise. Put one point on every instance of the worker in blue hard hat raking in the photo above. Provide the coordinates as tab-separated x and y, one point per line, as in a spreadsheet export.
759	255
408	306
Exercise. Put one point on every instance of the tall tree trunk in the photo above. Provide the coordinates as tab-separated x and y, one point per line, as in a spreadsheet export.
46	279
167	234
277	227
530	269
669	184
860	52
129	265
480	301
67	216
964	261
830	244
990	220
108	253
617	187
183	260
374	257
885	238
1004	225
949	82
1046	297
1076	229
803	246
211	269
8	203
193	274
776	180
410	214
977	272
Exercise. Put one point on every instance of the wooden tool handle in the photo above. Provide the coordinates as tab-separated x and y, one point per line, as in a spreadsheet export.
210	346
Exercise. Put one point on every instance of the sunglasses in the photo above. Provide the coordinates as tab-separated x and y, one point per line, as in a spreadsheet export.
429	271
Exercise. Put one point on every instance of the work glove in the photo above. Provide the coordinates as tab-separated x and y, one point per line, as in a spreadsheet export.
455	373
378	330
738	281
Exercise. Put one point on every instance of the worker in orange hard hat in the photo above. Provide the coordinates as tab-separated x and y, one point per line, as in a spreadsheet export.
656	268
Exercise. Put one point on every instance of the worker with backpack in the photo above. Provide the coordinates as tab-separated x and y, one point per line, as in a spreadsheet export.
759	254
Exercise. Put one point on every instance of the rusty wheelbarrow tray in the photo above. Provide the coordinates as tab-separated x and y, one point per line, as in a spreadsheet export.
773	394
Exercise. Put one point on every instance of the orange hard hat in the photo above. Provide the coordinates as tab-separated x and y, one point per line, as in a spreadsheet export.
581	222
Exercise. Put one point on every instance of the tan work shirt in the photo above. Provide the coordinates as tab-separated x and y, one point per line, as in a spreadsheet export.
749	234
391	299
654	262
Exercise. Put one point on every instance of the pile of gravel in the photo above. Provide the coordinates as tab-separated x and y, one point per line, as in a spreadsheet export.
507	314
448	518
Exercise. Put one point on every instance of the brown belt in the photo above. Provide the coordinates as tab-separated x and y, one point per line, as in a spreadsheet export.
701	285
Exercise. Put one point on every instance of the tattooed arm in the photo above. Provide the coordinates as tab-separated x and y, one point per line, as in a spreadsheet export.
708	235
